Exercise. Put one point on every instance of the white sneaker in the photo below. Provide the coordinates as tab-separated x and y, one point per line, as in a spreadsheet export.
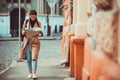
29	76
34	76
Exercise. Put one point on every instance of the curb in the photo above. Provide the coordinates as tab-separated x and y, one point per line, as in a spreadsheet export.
40	38
13	64
3	71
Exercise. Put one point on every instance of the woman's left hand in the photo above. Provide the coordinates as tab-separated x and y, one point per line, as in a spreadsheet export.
40	33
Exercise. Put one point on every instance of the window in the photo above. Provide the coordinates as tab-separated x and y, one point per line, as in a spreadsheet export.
28	1
22	1
8	1
15	1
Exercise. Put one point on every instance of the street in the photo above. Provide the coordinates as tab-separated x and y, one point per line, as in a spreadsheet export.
49	67
9	51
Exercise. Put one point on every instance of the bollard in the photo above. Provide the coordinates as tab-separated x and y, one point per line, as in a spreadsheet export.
61	28
49	30
55	31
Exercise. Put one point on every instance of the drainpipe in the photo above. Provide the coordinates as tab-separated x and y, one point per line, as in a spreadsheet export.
66	60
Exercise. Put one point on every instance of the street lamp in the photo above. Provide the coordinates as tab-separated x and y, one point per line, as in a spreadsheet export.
51	15
19	20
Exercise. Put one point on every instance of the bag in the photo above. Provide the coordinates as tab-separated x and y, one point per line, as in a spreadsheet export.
22	52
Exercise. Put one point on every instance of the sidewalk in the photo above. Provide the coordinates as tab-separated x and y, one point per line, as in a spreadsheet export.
47	70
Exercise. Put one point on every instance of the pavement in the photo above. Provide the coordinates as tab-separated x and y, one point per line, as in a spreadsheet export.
49	69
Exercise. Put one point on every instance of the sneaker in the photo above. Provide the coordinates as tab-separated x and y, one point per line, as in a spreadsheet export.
34	76
29	76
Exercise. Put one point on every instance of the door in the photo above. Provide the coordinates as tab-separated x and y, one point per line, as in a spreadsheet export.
14	21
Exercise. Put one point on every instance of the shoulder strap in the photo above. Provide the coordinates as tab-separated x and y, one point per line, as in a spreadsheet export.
38	24
26	23
22	36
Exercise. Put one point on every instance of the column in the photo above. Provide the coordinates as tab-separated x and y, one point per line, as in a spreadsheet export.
38	9
57	9
82	10
74	11
41	6
53	10
25	3
45	8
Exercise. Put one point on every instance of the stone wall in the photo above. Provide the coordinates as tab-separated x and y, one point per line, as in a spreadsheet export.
106	26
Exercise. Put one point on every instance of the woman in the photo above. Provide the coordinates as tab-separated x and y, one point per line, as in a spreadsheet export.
31	43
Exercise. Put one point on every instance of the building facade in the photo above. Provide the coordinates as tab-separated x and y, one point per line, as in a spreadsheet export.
94	41
9	12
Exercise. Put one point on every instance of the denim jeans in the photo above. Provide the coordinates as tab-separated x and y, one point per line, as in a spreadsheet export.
32	64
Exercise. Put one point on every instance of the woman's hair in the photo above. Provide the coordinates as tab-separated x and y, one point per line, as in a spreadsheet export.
33	12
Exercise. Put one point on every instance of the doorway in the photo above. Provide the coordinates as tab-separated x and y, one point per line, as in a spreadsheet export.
14	21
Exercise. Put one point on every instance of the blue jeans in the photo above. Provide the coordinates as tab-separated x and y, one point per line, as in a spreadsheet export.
32	64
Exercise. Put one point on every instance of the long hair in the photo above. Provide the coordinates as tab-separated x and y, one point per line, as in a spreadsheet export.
33	12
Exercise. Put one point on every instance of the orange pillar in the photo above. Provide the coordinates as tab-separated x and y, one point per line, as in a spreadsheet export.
78	56
71	55
103	68
87	59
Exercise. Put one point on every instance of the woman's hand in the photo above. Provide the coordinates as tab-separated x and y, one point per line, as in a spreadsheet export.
40	33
